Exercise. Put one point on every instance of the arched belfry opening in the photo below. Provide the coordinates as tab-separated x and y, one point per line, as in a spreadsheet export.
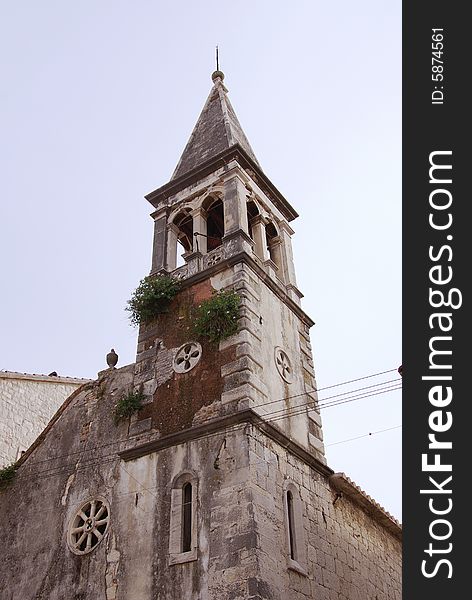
180	239
252	214
273	244
184	222
215	223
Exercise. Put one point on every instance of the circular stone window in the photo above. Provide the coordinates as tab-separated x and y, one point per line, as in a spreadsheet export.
187	357
283	364
89	526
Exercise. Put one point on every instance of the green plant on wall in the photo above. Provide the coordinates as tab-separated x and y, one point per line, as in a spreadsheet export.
7	474
152	297
217	317
127	405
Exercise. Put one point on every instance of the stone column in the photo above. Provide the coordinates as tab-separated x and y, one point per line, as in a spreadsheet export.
235	206
276	256
172	237
199	226
259	236
159	242
287	255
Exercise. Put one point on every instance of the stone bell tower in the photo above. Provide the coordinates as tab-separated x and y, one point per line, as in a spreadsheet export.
216	487
220	223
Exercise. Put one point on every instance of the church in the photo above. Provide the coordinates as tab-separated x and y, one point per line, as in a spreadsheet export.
212	482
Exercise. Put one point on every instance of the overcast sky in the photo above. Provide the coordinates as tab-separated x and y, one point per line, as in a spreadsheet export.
97	102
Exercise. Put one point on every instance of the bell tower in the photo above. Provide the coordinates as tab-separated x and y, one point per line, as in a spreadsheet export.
211	482
220	224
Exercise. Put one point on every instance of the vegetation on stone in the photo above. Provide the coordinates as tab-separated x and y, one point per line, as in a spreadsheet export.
127	405
217	317
7	475
152	297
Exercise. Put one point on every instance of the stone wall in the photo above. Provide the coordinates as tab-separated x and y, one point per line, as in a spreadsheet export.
27	403
346	553
241	372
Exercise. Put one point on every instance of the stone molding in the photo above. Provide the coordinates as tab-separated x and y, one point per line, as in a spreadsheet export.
44	378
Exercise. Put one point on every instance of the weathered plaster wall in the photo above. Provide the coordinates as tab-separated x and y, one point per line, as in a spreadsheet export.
27	402
76	460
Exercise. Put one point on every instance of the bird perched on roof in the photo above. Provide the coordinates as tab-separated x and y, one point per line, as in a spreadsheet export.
112	358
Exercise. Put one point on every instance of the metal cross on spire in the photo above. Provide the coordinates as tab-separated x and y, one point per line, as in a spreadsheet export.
217	60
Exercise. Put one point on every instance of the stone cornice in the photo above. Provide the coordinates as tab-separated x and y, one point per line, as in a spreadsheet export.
236	152
271	284
247	416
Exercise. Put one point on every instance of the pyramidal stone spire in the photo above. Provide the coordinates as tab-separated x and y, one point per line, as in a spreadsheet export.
216	130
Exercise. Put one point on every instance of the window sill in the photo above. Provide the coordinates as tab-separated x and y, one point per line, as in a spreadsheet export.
183	557
293	565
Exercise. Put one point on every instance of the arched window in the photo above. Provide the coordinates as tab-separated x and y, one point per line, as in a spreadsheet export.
252	211
296	551
187	517
184	223
291	526
183	532
215	224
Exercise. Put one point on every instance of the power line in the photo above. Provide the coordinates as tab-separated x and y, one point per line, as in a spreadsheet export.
312	391
328	387
291	412
365	435
268	416
338	403
350	396
100	460
59	469
323	400
127	439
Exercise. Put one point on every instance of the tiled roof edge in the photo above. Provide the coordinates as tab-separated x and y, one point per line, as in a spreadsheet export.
342	483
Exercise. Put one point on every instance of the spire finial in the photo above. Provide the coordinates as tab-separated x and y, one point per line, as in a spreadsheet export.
217	74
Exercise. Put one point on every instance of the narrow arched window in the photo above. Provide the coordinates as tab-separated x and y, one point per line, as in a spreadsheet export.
296	548
291	526
187	517
183	526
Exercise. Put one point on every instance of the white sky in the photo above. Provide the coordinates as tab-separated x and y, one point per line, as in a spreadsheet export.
97	101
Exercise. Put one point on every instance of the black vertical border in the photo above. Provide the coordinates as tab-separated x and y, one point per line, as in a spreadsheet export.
428	128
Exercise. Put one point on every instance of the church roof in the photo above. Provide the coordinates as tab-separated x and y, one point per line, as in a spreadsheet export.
216	130
51	378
